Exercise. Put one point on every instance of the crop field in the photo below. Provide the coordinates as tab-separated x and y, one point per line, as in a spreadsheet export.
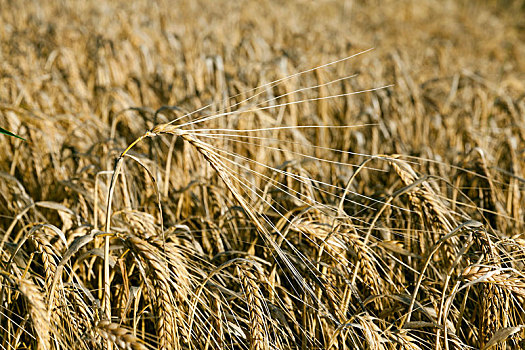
262	174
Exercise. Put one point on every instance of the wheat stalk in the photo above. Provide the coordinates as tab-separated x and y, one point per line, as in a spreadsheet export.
119	336
257	323
37	311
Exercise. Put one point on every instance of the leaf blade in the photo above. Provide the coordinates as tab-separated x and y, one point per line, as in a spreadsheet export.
9	133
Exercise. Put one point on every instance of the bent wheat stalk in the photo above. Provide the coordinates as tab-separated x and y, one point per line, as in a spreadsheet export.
220	162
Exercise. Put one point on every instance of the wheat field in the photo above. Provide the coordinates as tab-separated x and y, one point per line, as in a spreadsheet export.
262	174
